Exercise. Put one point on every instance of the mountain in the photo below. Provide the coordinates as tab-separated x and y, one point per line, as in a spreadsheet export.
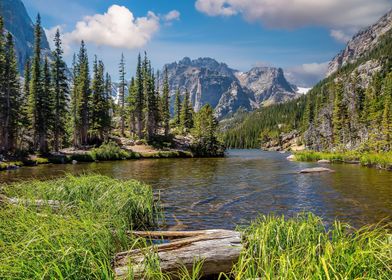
226	89
351	109
361	43
18	22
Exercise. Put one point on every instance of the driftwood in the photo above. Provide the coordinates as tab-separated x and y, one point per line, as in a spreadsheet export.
217	249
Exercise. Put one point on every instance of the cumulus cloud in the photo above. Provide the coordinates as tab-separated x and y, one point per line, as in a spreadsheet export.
172	15
116	28
306	75
335	14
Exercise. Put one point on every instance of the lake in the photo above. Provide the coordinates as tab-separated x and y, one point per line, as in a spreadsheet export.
225	192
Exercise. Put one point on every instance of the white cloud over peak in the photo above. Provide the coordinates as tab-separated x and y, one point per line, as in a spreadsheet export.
340	35
306	75
117	28
347	16
172	15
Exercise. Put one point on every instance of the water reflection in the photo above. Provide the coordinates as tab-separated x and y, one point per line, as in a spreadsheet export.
211	193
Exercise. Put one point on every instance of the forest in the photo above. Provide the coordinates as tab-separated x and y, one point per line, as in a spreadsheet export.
53	107
349	110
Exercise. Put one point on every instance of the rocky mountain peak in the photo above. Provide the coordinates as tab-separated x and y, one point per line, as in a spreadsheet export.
361	43
226	89
18	22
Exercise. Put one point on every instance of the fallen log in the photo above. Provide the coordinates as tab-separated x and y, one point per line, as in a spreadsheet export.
217	249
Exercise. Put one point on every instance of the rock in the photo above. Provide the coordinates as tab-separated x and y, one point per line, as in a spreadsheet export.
131	143
324	161
74	161
316	170
291	157
361	43
138	142
225	89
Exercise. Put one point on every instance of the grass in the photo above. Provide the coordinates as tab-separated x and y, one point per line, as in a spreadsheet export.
379	160
302	248
78	240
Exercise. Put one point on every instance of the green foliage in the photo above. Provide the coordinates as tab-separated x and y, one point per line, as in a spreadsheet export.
302	248
110	151
204	131
79	239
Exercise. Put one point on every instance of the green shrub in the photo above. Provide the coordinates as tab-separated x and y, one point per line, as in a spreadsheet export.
110	151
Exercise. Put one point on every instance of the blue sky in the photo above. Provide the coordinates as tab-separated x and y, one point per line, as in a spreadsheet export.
297	35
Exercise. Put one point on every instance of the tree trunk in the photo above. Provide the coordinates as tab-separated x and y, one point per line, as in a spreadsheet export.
218	250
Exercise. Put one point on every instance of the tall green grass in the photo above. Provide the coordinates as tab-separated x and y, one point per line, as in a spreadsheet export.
79	239
302	248
380	160
111	151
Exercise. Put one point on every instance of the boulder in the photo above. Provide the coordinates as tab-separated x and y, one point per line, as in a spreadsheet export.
291	157
138	142
316	170
324	161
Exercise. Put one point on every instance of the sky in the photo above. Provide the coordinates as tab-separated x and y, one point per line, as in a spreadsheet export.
300	36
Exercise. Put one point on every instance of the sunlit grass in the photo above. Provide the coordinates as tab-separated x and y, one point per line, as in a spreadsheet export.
302	248
381	160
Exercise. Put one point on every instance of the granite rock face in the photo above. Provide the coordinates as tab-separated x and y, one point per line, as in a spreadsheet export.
226	89
362	42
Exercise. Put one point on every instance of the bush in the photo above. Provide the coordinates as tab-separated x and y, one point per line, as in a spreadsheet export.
110	151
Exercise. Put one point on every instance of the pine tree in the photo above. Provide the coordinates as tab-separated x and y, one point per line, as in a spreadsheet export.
139	98
11	96
186	112
75	121
38	100
338	113
131	106
108	107
2	84
387	112
150	98
46	113
177	108
83	95
60	93
99	108
121	96
165	104
308	114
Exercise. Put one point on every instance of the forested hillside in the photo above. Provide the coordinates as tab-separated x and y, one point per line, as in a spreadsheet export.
351	109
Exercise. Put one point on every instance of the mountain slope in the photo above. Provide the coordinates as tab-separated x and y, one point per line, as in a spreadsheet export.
226	89
349	110
18	22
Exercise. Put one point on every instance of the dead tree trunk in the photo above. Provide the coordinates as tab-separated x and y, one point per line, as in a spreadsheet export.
217	249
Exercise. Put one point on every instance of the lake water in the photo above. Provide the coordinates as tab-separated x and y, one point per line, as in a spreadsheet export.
231	191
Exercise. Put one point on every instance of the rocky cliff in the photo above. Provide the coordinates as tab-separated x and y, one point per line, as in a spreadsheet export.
361	43
226	89
18	22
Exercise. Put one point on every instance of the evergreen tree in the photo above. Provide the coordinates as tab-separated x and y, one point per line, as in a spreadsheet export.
108	106
308	114
338	113
387	112
150	98
139	110
99	107
60	94
165	104
11	97
38	99
121	97
131	104
177	108
46	112
75	121
186	112
2	84
83	95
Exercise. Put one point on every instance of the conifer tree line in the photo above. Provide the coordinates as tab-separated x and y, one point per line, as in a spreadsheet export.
51	108
347	111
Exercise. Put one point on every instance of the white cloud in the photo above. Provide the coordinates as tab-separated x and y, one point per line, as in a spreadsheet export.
306	75
172	15
116	28
335	14
340	35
